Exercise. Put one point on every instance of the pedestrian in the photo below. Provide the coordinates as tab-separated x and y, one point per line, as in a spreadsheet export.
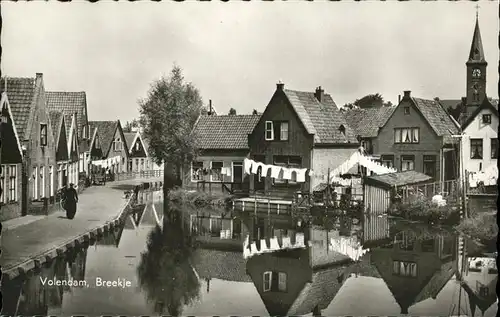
71	201
136	193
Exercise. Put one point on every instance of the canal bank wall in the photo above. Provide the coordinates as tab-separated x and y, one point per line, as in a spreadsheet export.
100	209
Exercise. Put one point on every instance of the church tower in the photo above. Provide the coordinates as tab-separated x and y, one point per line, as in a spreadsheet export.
476	71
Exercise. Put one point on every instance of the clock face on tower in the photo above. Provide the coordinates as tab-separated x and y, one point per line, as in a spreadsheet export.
476	73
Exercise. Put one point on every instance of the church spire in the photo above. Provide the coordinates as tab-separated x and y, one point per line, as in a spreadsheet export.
476	49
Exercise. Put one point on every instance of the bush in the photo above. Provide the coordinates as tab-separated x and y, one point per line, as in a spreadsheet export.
198	198
482	227
420	208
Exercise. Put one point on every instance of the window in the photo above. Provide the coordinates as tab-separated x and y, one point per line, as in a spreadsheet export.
430	165
289	162
483	290
59	175
267	281
342	129
12	182
274	281
269	131
84	134
486	118
51	181
117	144
494	148
34	182
284	131
73	144
387	160
406	110
476	148
43	134
142	164
42	177
216	171
97	143
407	163
4	185
137	146
406	135
403	268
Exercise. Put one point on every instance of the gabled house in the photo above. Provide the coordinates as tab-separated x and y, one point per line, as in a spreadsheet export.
223	145
112	142
367	123
138	155
74	104
12	159
416	268
419	136
302	130
73	150
57	121
30	116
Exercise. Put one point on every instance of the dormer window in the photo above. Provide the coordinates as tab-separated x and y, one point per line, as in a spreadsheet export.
269	131
117	144
43	134
342	129
486	118
137	146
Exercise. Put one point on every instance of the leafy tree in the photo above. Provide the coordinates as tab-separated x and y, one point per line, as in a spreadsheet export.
232	112
168	115
164	271
370	101
388	104
129	125
348	106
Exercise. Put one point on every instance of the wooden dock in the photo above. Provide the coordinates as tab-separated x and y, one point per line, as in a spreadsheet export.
250	204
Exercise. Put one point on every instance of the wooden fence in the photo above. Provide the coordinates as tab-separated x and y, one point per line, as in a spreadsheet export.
450	190
134	175
231	188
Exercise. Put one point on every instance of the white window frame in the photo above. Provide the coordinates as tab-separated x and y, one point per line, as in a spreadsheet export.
137	146
3	178
51	181
233	164
269	127
44	134
13	180
269	286
403	163
284	133
59	175
211	173
35	183
42	176
192	171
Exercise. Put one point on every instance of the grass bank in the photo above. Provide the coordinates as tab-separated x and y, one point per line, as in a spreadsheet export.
480	226
199	199
421	209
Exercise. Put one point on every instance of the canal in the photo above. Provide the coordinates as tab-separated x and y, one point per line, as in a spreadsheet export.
222	262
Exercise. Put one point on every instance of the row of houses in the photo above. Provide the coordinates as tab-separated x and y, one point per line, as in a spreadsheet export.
48	142
306	130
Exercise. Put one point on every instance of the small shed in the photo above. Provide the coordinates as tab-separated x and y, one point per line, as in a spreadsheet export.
378	190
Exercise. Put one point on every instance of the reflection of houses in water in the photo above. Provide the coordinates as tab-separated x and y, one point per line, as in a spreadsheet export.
31	297
479	278
375	230
218	229
296	281
416	267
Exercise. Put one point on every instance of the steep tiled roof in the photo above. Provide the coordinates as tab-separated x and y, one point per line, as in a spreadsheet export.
225	132
20	92
68	103
106	131
228	266
55	121
129	138
437	117
366	122
323	119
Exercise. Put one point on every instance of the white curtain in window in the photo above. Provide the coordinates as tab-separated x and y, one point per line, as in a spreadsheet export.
406	136
416	136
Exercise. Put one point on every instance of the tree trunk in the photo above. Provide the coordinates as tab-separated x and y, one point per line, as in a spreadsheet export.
168	183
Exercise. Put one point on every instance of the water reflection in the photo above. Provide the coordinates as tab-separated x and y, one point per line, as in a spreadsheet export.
221	262
164	271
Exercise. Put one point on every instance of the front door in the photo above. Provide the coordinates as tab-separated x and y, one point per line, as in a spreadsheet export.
237	172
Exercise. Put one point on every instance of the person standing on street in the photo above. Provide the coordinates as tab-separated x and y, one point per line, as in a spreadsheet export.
71	201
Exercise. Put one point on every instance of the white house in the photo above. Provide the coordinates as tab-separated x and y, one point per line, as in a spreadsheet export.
480	144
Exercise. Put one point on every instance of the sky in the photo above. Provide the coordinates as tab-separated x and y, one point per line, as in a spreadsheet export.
235	53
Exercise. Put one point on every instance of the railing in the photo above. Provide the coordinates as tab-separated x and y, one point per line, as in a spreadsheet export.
448	189
142	174
231	188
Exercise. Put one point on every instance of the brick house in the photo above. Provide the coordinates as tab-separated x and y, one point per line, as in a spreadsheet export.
73	105
223	145
302	130
111	140
138	155
417	136
30	117
58	123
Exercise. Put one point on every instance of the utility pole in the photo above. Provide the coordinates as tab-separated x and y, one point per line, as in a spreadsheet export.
1	114
461	176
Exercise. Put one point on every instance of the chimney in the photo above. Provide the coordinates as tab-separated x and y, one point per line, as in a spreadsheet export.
407	94
280	85
399	99
39	75
210	107
319	94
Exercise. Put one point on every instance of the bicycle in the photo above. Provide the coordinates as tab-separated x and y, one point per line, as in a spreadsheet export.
62	199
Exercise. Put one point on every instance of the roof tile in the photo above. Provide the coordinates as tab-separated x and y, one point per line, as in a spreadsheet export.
437	117
225	131
20	92
367	122
106	131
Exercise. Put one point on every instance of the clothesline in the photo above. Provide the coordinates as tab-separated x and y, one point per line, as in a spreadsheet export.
489	176
107	162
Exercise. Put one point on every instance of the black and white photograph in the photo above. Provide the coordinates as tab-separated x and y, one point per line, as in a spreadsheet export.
249	158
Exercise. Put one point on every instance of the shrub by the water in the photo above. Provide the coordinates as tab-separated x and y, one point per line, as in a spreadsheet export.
420	208
198	198
481	226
